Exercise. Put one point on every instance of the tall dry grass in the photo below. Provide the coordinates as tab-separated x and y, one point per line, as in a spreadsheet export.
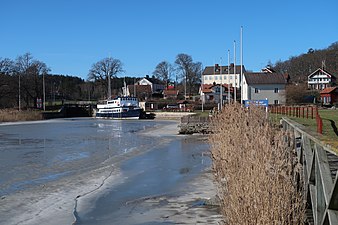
12	115
255	168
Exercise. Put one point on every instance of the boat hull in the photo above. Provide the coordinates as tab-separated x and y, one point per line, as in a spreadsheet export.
130	114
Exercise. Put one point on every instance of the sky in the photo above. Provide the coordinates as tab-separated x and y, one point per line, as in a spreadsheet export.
71	35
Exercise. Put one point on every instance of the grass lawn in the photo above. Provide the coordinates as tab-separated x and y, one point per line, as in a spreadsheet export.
330	124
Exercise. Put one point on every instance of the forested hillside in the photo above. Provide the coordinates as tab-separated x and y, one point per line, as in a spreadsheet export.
299	67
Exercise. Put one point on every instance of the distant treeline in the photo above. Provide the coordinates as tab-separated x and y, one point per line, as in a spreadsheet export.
58	88
299	67
25	81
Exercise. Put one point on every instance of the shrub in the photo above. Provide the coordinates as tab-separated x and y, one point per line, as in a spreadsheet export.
8	115
255	168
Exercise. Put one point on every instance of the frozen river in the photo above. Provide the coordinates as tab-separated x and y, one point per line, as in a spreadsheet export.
88	171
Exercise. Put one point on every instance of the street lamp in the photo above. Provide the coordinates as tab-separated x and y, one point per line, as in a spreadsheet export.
19	93
185	86
44	92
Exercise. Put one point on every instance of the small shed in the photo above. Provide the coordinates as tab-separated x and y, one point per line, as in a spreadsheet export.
329	96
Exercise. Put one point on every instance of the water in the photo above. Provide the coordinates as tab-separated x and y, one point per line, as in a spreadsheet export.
163	171
55	153
34	153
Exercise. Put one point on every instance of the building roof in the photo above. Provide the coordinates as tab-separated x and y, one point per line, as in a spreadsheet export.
170	92
328	90
207	88
210	70
322	71
265	78
152	80
268	69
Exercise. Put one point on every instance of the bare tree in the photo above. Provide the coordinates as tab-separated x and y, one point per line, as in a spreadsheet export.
196	76
7	86
6	70
30	72
189	71
163	71
6	66
104	70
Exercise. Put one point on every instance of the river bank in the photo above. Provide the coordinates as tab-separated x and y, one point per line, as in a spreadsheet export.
13	115
74	196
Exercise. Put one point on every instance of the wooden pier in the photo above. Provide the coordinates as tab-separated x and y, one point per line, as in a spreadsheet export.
320	165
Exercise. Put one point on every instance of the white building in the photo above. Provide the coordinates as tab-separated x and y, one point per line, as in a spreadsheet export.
222	74
261	86
156	85
320	79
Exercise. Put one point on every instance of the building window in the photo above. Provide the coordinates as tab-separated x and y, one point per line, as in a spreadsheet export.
256	90
276	90
276	102
216	77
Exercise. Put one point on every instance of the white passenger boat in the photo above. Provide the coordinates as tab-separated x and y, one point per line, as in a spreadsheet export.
119	108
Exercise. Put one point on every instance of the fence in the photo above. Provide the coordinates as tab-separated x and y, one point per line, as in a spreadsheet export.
320	165
308	112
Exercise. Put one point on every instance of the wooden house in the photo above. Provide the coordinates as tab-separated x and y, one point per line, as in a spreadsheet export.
329	96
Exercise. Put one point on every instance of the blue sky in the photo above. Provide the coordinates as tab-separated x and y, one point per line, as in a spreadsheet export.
71	35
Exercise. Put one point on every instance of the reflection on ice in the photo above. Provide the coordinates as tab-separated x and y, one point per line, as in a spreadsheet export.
67	157
26	183
29	151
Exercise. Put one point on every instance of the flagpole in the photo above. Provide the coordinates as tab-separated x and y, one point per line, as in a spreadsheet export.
109	81
220	89
202	88
241	79
229	76
235	90
44	92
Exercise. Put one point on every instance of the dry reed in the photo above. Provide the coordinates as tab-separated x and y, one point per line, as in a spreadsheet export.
11	115
255	168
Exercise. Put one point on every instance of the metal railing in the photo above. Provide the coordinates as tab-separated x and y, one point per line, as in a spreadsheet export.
320	165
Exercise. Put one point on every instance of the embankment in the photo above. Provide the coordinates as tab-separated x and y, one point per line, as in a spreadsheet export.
195	125
171	115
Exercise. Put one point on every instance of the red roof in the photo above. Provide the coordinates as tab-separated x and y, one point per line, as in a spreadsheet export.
170	92
328	90
206	88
